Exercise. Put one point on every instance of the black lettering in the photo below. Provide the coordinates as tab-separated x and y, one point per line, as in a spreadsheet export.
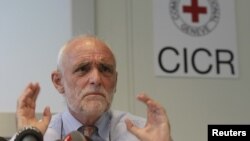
160	59
193	61
185	59
219	61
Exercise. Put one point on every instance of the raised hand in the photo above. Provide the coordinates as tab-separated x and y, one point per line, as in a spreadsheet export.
26	106
157	127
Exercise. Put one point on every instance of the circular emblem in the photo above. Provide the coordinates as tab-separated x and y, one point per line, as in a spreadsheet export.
195	17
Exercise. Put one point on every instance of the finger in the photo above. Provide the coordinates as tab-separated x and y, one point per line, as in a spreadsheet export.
23	97
132	128
47	115
151	104
26	99
31	91
46	118
155	110
143	98
35	90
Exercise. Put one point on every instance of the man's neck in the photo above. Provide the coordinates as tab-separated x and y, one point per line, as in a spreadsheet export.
86	119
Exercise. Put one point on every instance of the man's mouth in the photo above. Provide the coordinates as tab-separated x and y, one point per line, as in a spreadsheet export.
94	94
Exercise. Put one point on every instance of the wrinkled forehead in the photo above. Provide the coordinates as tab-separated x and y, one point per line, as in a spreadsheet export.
89	49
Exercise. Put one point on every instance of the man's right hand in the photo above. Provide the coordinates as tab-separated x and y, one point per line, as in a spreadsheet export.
26	106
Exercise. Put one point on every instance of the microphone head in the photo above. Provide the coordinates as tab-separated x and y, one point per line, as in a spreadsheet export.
75	136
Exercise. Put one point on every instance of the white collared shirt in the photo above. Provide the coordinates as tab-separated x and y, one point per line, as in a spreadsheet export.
111	126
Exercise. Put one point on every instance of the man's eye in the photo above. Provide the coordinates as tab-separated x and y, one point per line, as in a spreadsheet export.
106	69
84	68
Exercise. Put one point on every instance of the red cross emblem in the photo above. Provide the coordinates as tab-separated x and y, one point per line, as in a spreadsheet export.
195	17
195	10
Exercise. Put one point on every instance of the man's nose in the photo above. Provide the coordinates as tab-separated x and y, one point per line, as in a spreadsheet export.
95	77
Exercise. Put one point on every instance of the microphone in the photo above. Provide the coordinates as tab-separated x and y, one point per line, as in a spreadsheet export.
76	136
29	133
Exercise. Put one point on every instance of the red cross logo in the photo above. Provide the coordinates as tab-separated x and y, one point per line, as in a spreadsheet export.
195	10
194	17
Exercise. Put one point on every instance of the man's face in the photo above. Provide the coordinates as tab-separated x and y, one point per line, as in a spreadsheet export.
89	77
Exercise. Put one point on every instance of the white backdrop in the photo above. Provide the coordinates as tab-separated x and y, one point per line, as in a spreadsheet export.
31	34
206	48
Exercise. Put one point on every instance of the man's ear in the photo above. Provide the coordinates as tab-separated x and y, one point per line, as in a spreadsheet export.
56	77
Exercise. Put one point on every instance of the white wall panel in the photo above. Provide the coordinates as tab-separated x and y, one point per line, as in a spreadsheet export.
191	103
31	33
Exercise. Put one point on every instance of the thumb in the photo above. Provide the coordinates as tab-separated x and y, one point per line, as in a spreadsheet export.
132	128
47	115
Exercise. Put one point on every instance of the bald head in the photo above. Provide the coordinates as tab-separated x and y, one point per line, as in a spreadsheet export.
88	43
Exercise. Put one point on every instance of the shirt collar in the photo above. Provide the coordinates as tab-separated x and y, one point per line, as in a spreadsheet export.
70	123
103	125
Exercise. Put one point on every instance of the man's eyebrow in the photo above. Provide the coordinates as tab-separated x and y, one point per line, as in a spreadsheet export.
108	60
107	64
76	66
82	63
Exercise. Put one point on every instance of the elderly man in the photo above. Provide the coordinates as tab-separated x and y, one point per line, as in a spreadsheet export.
86	77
